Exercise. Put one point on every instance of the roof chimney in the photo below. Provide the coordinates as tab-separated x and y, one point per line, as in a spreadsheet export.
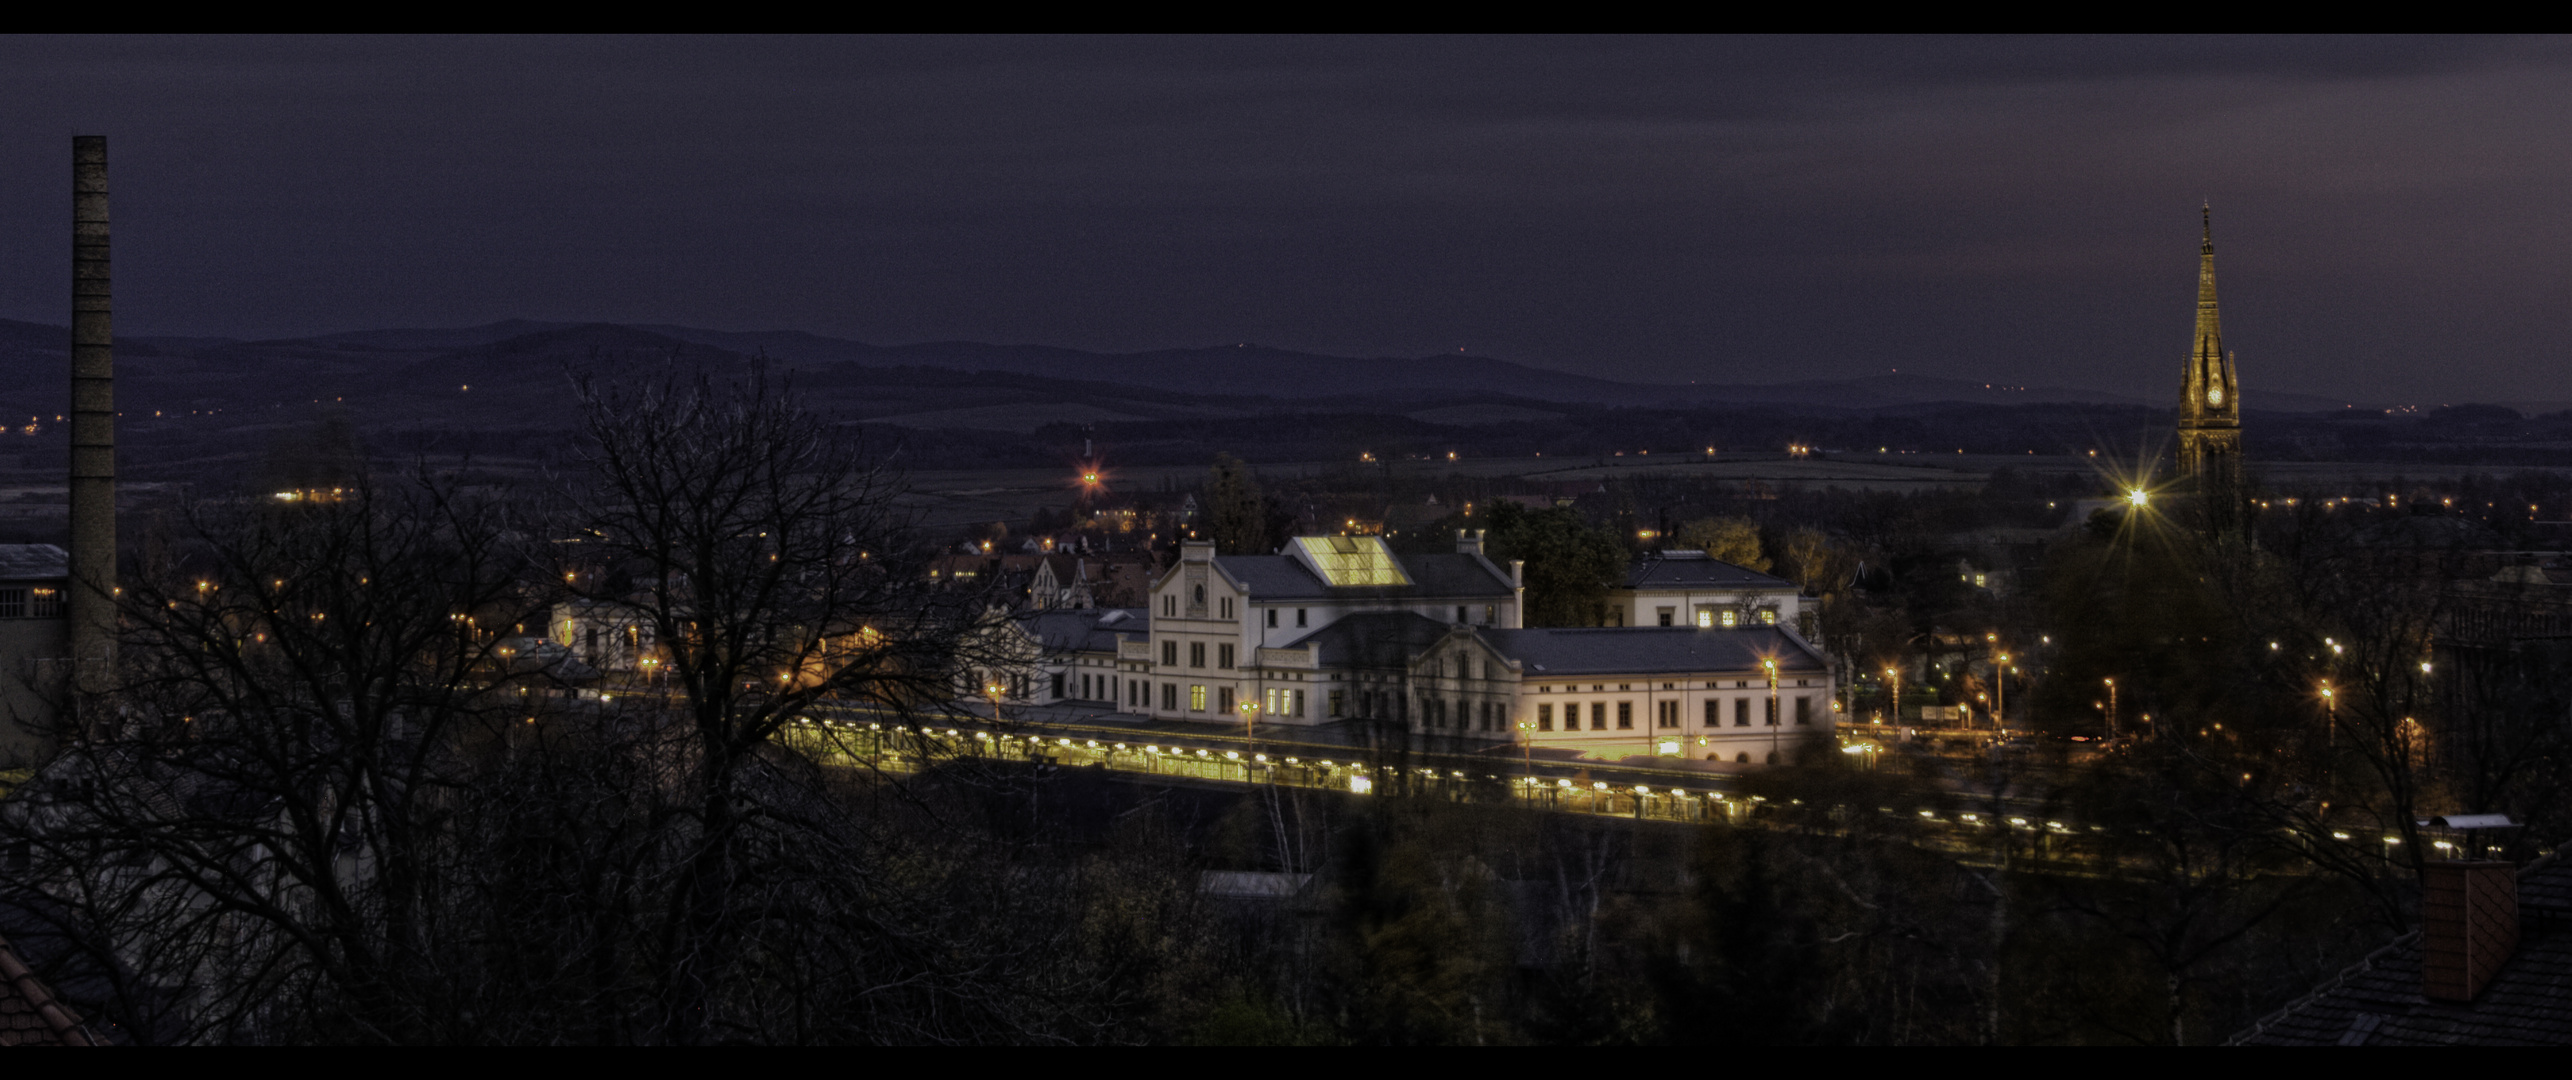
2468	926
92	602
1469	542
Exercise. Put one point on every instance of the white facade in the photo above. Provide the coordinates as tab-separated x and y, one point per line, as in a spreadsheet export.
1234	629
604	634
1438	655
1688	588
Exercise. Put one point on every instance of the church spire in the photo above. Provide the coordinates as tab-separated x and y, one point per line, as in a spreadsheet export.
2209	383
2210	399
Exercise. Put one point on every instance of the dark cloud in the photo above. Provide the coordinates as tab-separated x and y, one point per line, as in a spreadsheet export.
1660	209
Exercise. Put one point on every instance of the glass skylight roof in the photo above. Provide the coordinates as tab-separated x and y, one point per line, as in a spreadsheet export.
1350	561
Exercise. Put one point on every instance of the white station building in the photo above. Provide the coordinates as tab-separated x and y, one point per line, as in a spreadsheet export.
1341	630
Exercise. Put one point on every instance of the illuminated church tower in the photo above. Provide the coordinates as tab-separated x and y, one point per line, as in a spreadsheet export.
2210	407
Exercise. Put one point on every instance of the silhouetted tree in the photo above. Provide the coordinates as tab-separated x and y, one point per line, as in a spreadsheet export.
1569	564
1237	517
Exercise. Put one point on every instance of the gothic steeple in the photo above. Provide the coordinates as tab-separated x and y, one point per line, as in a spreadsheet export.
2210	416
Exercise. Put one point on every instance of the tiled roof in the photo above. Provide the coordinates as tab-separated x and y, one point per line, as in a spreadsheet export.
2377	1002
29	1014
1280	577
1651	650
1696	571
33	562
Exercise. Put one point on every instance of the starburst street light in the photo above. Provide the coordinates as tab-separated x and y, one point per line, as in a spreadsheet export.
2138	497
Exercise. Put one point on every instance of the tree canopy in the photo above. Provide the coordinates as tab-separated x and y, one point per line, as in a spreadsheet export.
1569	564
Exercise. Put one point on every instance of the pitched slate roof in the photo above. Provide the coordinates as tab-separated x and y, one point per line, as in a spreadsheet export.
1374	639
1695	570
1280	577
33	562
2377	1001
1639	650
29	1014
1086	629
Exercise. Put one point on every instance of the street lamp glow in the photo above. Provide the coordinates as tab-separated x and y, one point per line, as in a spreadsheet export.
2137	496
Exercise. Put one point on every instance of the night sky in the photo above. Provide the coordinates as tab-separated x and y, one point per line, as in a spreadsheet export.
2391	216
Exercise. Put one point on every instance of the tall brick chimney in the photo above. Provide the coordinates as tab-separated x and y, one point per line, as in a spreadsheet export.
92	603
2468	927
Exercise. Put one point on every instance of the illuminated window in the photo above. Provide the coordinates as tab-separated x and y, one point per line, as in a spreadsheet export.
1351	561
1732	618
1705	616
1768	616
1197	697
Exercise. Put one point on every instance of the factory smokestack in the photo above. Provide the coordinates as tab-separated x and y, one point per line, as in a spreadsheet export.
92	603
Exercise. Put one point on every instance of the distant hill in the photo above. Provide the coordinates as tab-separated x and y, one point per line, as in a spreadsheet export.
1261	371
493	351
214	410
